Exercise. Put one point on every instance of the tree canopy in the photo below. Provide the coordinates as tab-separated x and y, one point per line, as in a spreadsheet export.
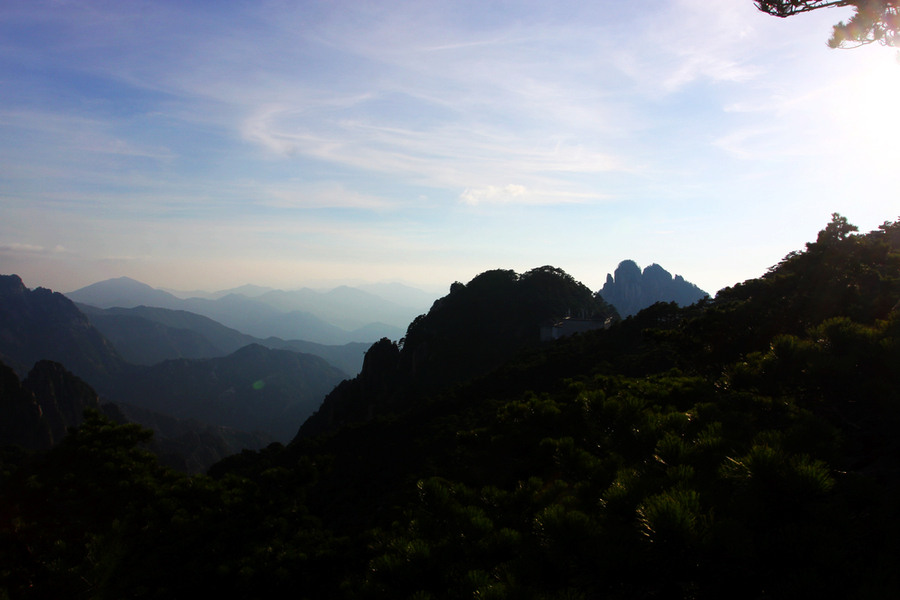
873	20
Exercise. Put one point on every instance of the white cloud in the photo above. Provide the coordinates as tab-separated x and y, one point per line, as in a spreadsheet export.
494	195
33	249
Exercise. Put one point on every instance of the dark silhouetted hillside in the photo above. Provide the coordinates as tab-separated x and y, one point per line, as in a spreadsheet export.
740	447
254	388
475	328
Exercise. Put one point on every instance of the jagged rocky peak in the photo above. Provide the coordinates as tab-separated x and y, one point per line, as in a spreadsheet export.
37	412
632	290
628	270
61	395
21	418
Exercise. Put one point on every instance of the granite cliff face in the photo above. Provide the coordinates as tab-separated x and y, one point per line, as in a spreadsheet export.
357	399
21	418
632	290
63	397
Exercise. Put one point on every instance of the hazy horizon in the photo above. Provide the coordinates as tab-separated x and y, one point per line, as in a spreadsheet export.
196	146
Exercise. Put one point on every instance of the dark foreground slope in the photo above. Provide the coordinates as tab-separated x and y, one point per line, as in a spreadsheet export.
37	412
474	329
658	459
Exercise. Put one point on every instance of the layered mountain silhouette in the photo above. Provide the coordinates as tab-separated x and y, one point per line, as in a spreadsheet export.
740	447
41	324
631	290
342	315
36	412
249	290
147	335
252	388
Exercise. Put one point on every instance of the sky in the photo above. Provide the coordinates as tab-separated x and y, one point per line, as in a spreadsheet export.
207	145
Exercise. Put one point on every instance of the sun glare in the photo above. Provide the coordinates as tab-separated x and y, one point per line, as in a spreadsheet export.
868	112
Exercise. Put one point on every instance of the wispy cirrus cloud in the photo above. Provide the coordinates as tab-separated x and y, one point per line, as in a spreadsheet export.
19	248
60	132
301	194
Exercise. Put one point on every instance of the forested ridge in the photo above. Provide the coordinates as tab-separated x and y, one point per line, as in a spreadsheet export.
742	447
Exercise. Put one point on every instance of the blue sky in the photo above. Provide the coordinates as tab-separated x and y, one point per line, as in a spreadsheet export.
205	145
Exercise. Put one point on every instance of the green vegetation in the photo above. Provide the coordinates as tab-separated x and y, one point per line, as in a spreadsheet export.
872	20
740	447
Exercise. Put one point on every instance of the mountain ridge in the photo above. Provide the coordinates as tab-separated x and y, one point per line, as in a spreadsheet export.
631	289
286	315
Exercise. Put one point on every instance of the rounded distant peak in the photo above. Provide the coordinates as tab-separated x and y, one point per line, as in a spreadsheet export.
628	270
655	271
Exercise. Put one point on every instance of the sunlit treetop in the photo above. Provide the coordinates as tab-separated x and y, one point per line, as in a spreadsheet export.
874	20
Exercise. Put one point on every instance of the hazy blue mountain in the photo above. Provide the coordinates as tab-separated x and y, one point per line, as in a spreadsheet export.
223	340
346	357
632	290
249	290
376	331
236	311
281	317
402	295
125	292
252	388
346	307
144	342
255	388
148	335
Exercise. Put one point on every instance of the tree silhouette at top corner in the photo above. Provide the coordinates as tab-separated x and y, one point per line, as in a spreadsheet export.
872	21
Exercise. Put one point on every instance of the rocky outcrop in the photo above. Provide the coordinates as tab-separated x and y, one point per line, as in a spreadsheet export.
358	399
632	290
21	418
62	396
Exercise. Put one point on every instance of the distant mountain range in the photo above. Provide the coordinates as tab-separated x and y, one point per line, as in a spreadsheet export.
218	360
249	290
146	335
632	290
340	316
253	388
